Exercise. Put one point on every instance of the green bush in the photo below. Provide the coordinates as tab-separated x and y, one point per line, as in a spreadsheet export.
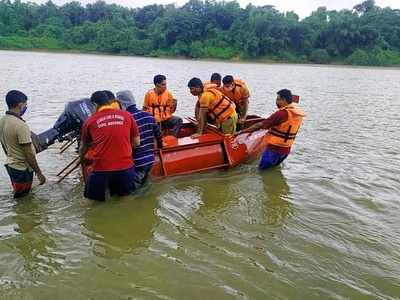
359	57
377	57
320	56
17	42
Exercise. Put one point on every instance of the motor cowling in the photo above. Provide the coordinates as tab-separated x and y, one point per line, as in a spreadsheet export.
67	126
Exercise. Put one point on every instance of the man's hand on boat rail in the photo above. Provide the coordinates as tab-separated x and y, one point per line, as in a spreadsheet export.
195	135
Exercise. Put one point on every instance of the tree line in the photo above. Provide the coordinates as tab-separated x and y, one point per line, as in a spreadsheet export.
364	35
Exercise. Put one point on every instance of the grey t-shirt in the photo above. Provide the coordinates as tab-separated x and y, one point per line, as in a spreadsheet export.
14	133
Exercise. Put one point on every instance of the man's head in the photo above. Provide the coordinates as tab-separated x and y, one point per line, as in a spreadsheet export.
110	95
160	82
216	79
284	98
196	86
126	99
229	83
17	101
100	98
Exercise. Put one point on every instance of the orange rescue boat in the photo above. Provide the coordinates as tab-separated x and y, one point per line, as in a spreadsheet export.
211	150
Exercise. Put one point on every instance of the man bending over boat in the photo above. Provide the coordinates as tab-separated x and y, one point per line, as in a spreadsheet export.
283	126
160	103
215	105
111	134
143	155
214	82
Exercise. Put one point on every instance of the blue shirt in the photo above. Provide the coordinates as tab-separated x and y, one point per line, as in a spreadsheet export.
148	130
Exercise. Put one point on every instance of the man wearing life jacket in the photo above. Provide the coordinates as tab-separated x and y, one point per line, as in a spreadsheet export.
160	103
213	104
149	131
110	134
237	91
214	82
283	126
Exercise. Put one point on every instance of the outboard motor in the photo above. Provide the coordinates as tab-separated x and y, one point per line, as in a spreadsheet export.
67	126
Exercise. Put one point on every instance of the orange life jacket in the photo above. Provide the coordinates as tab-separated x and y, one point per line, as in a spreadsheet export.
284	134
221	108
236	94
209	85
159	105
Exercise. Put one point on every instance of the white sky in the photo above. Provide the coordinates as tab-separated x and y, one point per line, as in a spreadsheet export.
302	7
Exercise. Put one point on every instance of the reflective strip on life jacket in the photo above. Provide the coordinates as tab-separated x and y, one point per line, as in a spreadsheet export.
284	134
224	107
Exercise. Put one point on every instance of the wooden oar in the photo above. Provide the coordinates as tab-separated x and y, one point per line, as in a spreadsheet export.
67	166
67	145
77	164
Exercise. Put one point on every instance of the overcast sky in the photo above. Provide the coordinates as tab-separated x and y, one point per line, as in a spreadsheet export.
302	7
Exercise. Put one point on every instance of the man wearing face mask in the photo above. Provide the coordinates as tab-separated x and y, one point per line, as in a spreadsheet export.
160	103
237	91
283	126
15	138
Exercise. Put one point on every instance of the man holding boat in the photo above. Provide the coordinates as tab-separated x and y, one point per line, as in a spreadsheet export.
111	134
149	131
214	105
282	126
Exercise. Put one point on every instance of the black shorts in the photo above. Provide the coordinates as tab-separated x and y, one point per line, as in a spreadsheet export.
21	181
119	183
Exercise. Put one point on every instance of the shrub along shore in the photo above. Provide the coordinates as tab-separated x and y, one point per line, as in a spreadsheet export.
365	35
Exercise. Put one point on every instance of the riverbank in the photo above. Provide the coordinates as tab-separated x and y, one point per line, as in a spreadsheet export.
236	59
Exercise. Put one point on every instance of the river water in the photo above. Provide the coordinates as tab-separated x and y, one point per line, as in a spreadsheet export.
324	225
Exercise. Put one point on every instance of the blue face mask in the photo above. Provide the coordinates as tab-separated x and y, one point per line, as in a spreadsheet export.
21	113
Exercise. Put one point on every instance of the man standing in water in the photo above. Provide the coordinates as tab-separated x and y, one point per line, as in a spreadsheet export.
160	103
143	156
283	126
111	134
15	138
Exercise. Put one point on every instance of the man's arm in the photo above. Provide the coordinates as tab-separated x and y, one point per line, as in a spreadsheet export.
146	102
196	110
25	141
30	158
201	121
172	103
85	143
244	103
244	106
273	120
135	136
83	149
157	134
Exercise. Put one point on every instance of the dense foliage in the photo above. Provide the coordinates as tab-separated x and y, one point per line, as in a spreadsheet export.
366	35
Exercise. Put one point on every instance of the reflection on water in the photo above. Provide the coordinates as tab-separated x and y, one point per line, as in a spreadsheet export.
120	226
33	243
324	225
277	205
